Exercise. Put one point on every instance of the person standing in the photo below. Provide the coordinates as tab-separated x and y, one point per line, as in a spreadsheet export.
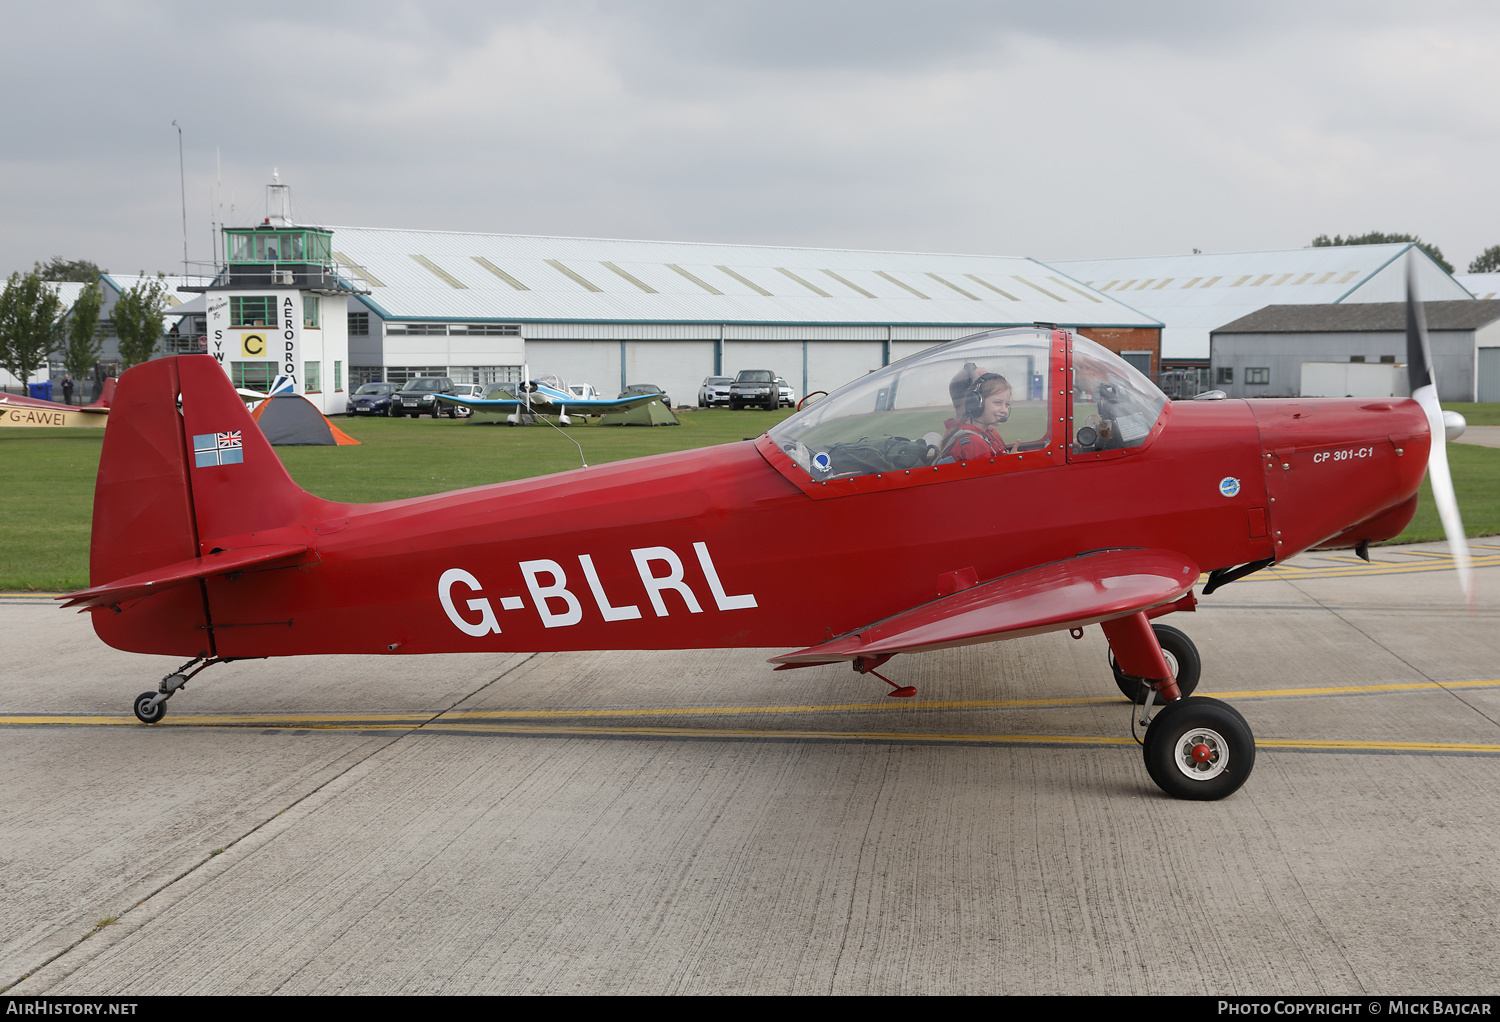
67	389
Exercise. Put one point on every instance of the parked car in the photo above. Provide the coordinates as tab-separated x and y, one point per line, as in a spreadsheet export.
371	399
646	388
583	391
755	387
715	391
788	395
418	397
473	390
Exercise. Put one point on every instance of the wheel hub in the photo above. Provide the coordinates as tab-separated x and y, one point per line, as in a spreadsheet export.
1202	754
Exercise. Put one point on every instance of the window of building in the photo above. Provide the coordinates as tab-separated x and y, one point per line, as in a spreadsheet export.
1224	374
486	329
252	310
312	373
252	375
311	309
1258	374
359	324
1356	358
1388	359
338	377
485	375
401	374
361	375
416	328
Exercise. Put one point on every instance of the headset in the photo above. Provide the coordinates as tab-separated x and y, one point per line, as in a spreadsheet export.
974	400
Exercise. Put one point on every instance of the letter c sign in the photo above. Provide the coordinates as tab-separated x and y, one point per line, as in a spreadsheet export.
253	345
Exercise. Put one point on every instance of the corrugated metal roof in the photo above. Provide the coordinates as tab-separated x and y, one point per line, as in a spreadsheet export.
1465	314
122	282
66	290
1480	285
440	275
1194	294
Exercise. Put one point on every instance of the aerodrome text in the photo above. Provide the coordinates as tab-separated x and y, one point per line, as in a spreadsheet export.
660	570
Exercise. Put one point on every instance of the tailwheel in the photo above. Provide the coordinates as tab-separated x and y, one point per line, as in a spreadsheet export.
1199	748
147	710
1182	657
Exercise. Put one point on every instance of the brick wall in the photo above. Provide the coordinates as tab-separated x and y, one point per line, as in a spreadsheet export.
1129	339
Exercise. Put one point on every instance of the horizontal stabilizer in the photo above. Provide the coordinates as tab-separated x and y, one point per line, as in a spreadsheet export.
156	580
1082	590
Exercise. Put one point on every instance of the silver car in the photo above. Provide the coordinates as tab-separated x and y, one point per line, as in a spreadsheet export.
715	391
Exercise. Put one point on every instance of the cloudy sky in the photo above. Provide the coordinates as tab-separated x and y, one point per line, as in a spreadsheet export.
1063	129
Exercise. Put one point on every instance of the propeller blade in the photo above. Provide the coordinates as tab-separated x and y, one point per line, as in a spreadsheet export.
1424	392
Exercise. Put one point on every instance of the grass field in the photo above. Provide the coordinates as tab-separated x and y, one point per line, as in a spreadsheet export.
47	492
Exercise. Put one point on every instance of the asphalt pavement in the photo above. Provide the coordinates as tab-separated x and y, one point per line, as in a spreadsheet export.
691	822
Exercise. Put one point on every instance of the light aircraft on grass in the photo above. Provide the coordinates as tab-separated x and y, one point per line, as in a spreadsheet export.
1103	505
546	395
34	413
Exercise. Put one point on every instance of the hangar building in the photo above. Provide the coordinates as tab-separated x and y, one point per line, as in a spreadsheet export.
1194	294
1262	354
611	312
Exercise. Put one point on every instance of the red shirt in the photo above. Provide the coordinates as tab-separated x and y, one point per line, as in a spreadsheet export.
968	440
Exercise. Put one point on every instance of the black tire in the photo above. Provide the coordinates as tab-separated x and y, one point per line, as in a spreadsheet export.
1173	742
152	715
1182	656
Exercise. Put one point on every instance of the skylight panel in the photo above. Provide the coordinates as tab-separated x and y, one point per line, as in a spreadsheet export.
1301	280
955	287
1063	283
1038	287
1323	279
1261	280
1191	283
984	283
357	270
752	285
1211	281
901	284
703	284
1346	278
1145	282
497	271
1281	280
438	272
1126	286
634	280
577	279
815	289
1164	282
1111	284
850	284
1241	280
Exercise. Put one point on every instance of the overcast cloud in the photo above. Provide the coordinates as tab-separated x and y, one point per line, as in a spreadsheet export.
1057	130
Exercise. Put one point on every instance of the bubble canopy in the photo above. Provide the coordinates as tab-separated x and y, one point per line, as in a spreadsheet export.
990	398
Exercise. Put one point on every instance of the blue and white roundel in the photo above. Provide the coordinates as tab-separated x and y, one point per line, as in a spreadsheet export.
1229	486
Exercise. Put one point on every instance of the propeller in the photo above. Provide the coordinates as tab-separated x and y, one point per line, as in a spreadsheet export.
1424	392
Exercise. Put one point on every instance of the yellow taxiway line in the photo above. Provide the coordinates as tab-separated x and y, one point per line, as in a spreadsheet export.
515	721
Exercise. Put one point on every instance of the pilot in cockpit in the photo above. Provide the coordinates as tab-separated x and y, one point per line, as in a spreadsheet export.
981	401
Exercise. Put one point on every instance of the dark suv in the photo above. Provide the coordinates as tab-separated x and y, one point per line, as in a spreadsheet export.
419	397
755	387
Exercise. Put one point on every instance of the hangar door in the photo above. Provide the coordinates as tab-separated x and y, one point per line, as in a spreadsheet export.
1489	375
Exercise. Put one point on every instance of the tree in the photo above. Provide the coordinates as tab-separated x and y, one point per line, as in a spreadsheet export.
28	321
81	338
137	320
1377	238
78	270
1487	261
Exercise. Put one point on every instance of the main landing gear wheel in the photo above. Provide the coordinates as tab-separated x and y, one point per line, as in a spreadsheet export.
1182	658
145	712
1199	749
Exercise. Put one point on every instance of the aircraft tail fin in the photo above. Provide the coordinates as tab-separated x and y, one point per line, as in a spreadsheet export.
183	468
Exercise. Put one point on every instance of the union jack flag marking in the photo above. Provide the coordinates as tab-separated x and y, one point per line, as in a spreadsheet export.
218	449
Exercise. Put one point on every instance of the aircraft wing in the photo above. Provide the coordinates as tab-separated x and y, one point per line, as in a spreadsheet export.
543	402
1083	590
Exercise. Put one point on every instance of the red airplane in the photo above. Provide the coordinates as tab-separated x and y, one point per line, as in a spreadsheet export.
20	410
1080	496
